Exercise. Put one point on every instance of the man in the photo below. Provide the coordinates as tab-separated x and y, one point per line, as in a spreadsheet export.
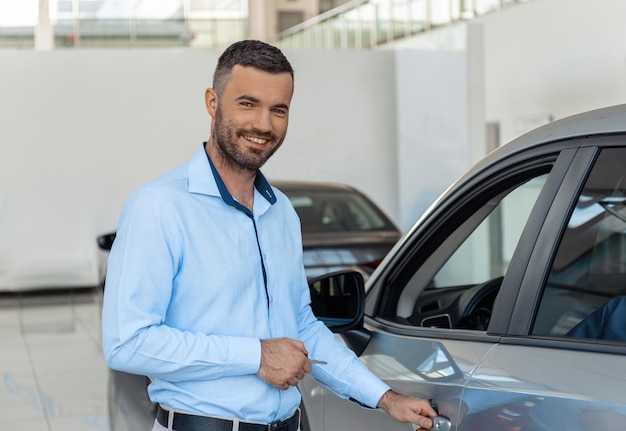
605	323
206	292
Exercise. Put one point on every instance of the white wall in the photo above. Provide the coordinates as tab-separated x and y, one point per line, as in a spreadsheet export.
553	57
80	130
440	114
433	125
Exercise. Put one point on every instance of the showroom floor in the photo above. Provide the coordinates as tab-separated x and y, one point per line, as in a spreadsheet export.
53	373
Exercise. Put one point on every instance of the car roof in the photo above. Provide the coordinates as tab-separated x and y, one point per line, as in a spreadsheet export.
603	121
600	122
298	186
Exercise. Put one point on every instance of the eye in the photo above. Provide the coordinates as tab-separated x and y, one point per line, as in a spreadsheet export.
279	111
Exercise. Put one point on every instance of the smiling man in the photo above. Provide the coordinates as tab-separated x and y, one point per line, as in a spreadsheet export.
205	290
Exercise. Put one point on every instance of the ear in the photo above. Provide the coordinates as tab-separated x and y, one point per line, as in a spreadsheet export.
210	100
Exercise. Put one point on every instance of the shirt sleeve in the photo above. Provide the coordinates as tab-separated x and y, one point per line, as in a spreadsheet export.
344	374
141	267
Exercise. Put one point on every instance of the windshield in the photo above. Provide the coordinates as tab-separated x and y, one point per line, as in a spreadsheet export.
321	211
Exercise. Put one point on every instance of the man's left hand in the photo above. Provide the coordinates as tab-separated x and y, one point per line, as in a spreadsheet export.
407	409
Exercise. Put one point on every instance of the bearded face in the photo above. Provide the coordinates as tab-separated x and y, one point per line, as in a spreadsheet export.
231	141
250	117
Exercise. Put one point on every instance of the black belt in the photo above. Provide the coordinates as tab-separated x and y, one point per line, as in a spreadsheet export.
189	422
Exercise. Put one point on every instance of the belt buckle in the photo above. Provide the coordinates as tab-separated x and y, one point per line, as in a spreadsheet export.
279	425
273	426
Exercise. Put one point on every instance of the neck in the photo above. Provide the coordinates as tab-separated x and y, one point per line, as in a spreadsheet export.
238	180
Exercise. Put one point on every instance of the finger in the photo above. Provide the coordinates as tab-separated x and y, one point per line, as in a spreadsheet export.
424	422
426	409
300	346
431	412
303	349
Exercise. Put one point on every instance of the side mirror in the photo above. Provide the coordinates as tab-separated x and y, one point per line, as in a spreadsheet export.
105	242
338	300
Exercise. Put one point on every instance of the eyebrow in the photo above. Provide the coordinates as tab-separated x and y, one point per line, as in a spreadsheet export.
255	100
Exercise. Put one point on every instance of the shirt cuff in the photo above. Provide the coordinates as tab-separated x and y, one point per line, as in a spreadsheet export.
371	392
246	352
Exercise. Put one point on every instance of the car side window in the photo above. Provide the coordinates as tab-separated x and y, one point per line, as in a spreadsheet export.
585	293
457	284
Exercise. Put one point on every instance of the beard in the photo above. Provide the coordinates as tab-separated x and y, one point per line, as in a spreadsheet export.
237	157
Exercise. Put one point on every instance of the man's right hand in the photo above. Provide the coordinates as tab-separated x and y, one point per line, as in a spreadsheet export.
284	362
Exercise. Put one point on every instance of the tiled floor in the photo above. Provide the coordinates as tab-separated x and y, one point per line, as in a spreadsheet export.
53	373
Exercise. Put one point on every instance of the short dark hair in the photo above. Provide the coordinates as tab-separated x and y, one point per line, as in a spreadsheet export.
255	53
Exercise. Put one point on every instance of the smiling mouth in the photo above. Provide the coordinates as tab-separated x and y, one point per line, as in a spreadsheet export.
256	140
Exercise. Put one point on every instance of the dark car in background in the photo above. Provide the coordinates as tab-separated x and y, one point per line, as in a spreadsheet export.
341	227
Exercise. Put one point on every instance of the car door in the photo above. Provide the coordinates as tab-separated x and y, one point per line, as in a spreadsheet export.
429	305
562	363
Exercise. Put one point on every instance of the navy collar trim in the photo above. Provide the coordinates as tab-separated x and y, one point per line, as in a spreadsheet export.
260	183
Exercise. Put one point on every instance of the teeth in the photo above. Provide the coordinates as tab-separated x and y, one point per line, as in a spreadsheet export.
256	140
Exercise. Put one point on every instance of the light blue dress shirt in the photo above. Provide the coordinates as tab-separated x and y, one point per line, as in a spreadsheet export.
186	299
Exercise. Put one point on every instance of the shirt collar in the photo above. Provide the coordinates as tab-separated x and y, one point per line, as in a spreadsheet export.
199	181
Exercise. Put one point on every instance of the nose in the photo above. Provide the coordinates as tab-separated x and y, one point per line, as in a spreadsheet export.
262	121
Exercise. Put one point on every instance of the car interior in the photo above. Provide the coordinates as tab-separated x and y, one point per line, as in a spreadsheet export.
590	265
455	287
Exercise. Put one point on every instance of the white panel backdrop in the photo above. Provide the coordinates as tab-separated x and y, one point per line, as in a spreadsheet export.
80	130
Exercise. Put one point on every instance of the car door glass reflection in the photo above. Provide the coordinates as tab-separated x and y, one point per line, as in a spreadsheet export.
439	365
515	411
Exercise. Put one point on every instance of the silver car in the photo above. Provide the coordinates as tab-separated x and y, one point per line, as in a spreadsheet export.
505	303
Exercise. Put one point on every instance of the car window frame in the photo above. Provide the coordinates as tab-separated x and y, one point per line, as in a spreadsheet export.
544	252
554	161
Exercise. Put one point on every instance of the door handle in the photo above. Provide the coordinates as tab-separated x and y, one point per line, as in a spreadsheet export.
441	423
